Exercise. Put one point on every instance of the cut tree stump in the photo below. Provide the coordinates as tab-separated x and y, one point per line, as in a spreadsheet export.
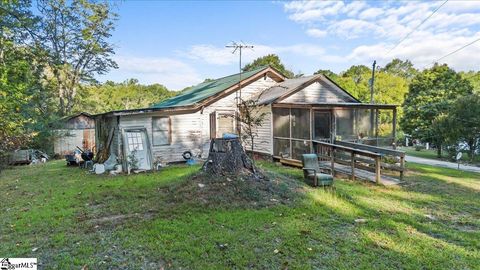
227	156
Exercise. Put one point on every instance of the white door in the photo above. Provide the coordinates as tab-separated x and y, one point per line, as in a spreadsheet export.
137	149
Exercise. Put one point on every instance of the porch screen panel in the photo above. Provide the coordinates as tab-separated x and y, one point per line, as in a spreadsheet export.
321	125
300	123
281	148
364	127
299	148
345	120
281	122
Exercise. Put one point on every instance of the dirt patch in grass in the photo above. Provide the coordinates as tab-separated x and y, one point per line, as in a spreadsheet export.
243	191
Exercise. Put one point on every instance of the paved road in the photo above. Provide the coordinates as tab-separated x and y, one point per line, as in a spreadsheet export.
440	163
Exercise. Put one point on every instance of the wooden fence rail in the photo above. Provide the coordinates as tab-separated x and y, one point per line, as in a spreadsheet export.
335	153
398	157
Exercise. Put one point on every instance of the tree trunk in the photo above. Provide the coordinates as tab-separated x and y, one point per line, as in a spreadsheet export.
472	147
439	151
227	156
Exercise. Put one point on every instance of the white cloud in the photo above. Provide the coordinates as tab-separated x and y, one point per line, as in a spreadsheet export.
172	73
423	53
370	13
223	56
381	25
210	54
314	32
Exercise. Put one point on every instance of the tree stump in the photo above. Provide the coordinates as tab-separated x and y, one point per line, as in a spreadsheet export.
227	156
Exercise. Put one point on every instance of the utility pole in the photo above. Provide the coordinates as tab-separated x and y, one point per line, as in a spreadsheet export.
372	81
238	47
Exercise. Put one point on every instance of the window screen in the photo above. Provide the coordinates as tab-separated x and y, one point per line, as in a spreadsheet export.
345	120
363	123
134	141
322	125
281	148
300	123
299	148
161	130
281	122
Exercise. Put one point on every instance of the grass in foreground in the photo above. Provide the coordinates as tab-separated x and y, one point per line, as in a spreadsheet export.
68	219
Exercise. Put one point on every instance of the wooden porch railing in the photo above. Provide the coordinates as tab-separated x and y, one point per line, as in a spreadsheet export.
394	156
334	153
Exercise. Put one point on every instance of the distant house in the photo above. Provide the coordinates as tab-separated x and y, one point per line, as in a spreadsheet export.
299	112
76	130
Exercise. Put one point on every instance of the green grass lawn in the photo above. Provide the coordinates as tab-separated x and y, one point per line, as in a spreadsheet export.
68	219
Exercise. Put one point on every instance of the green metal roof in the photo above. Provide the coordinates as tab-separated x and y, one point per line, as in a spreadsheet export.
205	90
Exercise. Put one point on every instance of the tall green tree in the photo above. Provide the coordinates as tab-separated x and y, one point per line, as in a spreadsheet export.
474	78
74	38
272	60
401	68
431	93
332	75
355	80
23	94
464	122
129	94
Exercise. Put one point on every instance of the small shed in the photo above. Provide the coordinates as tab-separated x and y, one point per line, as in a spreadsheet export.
76	130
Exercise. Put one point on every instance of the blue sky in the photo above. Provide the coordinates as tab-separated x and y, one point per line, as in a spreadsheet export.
180	43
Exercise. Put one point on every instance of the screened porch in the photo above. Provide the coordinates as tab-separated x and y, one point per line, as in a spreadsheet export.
297	129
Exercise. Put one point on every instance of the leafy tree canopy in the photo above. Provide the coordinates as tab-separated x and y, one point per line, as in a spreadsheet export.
431	93
463	122
402	68
119	96
332	75
272	60
474	78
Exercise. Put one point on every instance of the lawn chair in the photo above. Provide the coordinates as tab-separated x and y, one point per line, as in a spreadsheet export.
311	171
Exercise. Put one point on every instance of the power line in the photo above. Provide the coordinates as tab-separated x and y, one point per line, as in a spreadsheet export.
453	52
416	27
459	49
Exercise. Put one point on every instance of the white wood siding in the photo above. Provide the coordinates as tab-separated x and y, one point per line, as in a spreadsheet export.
263	143
319	92
191	132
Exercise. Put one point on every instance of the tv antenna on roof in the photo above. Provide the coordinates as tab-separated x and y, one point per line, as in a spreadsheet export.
238	46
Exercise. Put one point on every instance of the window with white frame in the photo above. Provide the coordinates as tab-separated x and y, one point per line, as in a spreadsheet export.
161	130
134	141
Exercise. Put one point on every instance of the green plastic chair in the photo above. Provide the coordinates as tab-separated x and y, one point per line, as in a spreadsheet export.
311	171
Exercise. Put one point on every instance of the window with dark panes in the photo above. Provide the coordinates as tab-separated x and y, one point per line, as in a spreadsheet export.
161	130
134	141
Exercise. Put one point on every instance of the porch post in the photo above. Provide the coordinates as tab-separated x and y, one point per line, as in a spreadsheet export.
376	127
311	129
394	128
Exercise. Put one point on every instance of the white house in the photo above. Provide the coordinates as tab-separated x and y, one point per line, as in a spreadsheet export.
299	112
